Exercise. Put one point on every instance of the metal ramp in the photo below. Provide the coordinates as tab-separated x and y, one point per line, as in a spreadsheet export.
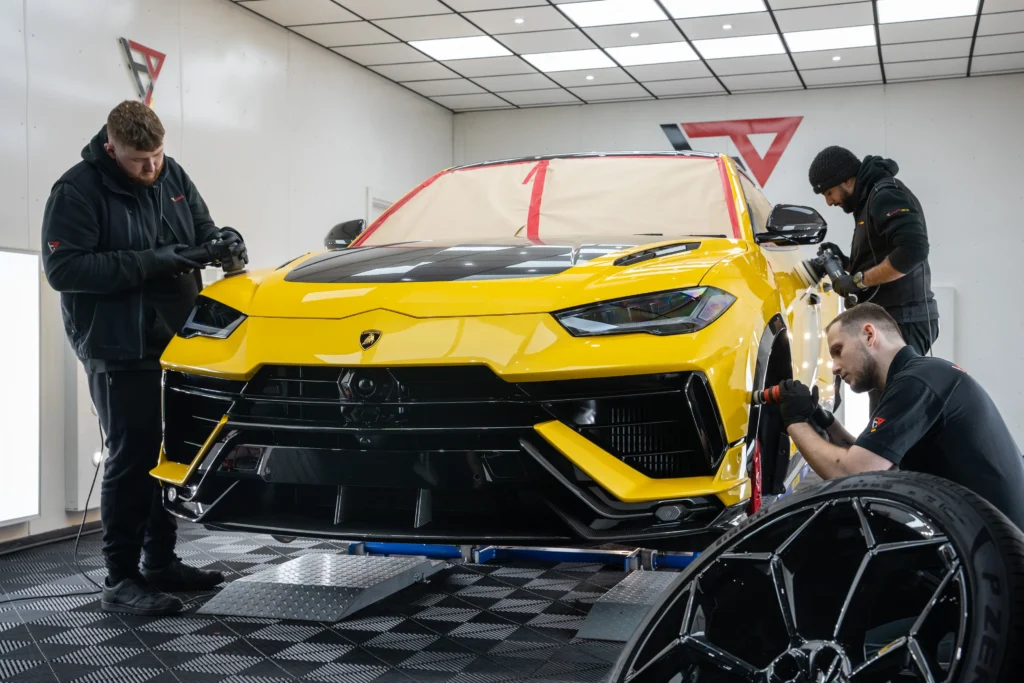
617	613
324	588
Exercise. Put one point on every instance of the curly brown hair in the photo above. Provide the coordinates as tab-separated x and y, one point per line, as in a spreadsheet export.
136	125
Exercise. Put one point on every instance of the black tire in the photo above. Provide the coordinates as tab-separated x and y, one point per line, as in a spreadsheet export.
914	528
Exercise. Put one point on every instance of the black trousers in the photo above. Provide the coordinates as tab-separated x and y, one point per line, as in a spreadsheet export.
135	525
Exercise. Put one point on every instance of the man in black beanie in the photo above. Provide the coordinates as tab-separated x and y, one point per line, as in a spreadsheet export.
888	262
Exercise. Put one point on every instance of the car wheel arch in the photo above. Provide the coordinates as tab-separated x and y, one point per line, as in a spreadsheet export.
774	364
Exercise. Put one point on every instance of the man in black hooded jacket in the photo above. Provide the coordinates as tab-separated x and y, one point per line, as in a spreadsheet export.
888	262
114	227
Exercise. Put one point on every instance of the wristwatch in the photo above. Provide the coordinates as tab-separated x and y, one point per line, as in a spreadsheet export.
858	279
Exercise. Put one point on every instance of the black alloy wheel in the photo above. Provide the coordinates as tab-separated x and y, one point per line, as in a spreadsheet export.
879	578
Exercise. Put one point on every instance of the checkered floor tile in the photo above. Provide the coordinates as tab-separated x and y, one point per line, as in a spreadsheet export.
469	624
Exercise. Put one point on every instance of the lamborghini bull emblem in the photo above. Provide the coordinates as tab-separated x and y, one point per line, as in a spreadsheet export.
369	338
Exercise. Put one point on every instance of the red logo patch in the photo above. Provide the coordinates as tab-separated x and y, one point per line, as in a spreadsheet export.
53	246
178	198
896	211
876	423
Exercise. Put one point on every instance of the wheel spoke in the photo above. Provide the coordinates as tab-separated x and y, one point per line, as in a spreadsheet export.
908	545
854	585
796	534
869	537
935	598
688	612
918	656
720	658
885	652
656	660
757	557
783	581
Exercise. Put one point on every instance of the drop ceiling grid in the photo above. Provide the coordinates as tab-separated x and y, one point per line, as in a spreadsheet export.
383	35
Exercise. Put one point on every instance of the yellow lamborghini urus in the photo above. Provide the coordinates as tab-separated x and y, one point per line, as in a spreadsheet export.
555	350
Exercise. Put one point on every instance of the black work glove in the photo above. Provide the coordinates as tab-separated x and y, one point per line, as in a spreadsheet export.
168	260
797	403
231	238
843	258
822	417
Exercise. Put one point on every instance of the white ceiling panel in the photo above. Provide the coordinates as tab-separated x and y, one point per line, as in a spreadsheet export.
430	28
530	19
994	45
689	86
915	70
341	35
825	59
520	82
470	101
601	77
932	29
1002	6
490	66
607	12
751	65
476	5
797	4
831	16
423	71
669	72
849	74
622	35
610	92
529	97
391	53
995	63
384	9
755	24
914	52
786	79
292	12
1010	22
545	41
689	9
451	86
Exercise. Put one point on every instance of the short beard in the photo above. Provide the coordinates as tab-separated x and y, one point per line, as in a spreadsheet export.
849	203
865	380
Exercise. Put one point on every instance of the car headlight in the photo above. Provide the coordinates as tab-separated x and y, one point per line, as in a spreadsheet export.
211	318
673	312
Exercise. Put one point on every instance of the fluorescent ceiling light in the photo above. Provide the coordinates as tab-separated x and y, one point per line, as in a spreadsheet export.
461	48
831	38
688	9
659	53
607	12
569	61
891	11
741	46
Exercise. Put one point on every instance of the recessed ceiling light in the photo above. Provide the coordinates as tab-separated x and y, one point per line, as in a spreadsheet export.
519	20
831	38
836	58
634	34
569	61
688	9
590	78
607	12
726	26
891	11
660	53
741	46
461	48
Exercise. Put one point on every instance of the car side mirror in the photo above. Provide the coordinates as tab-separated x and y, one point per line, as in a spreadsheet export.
791	224
343	234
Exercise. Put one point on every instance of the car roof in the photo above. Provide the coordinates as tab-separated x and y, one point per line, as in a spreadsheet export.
687	154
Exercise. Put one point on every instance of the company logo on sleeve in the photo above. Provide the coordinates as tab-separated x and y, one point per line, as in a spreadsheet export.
145	71
739	131
876	423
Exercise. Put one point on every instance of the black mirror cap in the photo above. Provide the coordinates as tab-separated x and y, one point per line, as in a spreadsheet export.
343	234
792	224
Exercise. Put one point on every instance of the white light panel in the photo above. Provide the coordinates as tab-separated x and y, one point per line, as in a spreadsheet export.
743	46
687	9
607	12
831	38
659	53
19	391
569	61
892	11
461	48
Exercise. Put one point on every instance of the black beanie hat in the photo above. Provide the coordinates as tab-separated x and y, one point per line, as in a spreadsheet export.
833	166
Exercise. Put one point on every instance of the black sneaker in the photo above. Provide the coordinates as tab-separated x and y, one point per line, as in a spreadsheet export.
134	596
178	576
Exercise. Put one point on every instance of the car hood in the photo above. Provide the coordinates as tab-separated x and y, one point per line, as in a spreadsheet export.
437	279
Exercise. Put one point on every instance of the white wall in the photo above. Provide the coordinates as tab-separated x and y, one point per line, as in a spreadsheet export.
960	147
281	136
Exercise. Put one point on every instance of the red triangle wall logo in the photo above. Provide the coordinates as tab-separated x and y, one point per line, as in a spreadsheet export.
740	130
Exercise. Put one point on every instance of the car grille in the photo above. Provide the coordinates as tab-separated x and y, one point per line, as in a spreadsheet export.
663	425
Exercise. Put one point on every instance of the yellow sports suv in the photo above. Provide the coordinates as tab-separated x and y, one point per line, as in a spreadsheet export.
557	350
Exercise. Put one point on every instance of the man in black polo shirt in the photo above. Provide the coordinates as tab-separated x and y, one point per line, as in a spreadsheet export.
932	416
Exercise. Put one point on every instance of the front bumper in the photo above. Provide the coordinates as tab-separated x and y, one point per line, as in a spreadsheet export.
452	454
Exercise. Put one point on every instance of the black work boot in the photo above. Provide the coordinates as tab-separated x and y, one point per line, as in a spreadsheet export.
133	596
178	576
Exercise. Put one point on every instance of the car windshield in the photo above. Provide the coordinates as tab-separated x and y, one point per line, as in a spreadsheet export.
666	196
